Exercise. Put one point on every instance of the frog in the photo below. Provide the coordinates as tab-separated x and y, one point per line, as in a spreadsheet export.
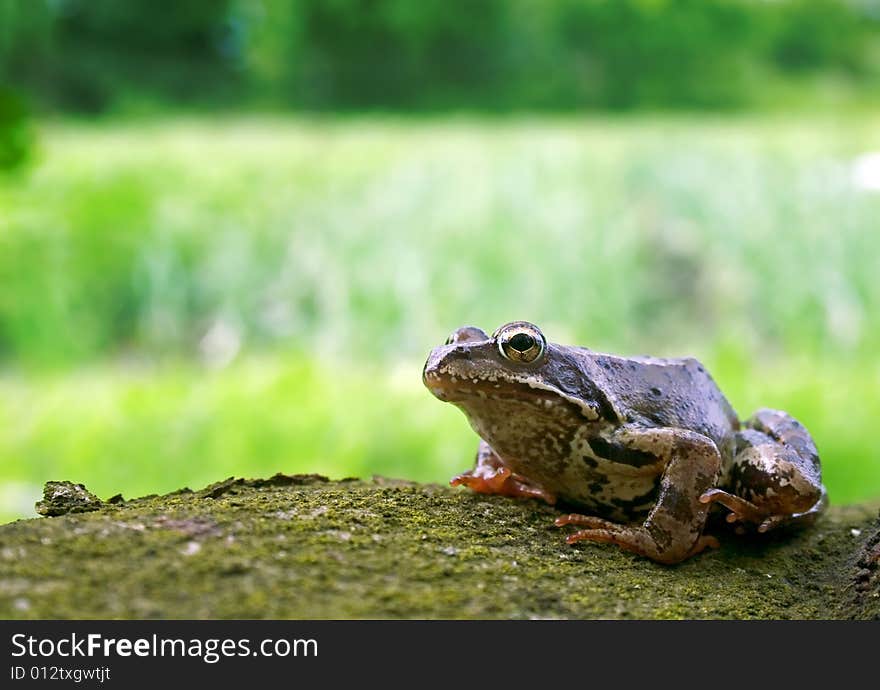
643	448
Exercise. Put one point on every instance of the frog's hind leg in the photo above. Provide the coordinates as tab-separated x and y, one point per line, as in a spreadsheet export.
491	476
626	538
774	478
673	531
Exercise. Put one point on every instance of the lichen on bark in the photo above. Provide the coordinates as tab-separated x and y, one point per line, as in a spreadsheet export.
302	546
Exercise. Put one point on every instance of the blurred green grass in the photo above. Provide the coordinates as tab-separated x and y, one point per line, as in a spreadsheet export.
183	300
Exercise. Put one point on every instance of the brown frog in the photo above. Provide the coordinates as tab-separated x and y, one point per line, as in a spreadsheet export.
645	446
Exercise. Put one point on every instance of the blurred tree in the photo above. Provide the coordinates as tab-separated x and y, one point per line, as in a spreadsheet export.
813	34
658	53
368	53
271	31
91	55
559	54
86	55
16	137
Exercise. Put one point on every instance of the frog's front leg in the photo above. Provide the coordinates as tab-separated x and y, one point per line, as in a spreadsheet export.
491	476
774	476
673	529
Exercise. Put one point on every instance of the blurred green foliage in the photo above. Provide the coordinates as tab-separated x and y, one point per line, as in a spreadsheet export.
367	236
92	55
88	55
16	136
167	321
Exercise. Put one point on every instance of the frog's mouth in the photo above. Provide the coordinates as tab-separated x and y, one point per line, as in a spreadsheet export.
527	391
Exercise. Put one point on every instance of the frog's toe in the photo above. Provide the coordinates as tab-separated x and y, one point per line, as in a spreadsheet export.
765	523
770	523
524	490
583	521
484	482
628	540
638	540
794	520
740	509
503	482
609	536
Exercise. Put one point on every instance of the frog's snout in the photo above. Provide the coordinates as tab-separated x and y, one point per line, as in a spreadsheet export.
466	356
435	364
444	366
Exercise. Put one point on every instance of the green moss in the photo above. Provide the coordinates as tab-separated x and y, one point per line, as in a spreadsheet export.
304	547
61	498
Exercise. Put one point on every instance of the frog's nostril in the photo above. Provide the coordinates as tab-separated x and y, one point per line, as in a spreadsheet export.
463	352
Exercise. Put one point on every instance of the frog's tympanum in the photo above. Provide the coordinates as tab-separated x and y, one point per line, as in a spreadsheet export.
644	446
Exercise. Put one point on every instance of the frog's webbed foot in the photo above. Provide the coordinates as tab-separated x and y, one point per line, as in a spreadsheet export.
492	476
503	482
742	510
804	519
635	539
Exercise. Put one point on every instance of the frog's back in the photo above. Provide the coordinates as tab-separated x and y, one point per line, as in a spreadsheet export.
664	392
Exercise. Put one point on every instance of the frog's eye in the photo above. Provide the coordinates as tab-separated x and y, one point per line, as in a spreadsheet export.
520	342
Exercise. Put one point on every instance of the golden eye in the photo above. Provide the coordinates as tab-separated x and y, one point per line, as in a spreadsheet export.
520	342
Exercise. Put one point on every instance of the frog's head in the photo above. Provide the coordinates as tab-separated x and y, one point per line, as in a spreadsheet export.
515	366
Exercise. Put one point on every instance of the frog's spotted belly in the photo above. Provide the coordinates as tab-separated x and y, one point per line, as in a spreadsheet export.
606	478
602	487
583	469
624	499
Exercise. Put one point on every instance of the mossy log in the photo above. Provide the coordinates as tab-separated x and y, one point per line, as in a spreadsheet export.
305	547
